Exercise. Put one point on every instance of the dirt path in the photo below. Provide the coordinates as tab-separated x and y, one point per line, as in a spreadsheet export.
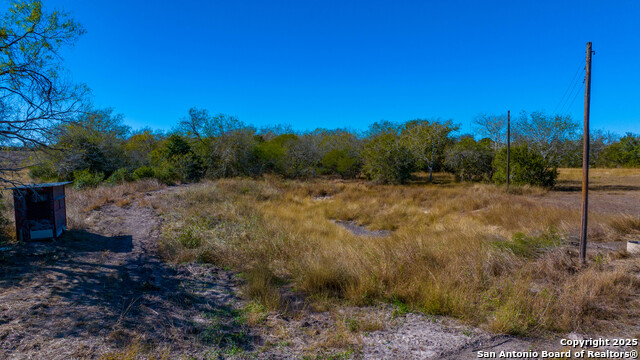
105	289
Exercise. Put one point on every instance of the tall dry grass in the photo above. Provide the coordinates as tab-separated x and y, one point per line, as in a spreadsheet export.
470	251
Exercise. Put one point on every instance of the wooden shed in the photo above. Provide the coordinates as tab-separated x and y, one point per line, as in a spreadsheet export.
40	211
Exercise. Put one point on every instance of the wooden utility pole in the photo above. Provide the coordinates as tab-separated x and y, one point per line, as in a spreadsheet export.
585	157
508	148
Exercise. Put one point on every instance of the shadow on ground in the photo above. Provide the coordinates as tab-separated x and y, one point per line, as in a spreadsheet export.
90	287
574	185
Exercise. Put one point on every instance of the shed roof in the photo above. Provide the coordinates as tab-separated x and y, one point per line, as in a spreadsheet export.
40	186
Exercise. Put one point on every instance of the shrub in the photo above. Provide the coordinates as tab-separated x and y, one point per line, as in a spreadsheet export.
527	167
469	160
341	162
386	159
143	172
167	174
43	171
182	168
85	178
270	155
625	152
175	161
119	176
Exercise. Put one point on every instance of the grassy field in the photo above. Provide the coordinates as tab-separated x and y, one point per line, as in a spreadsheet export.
506	261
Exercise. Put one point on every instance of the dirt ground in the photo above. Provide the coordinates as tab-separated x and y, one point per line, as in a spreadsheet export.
104	292
97	291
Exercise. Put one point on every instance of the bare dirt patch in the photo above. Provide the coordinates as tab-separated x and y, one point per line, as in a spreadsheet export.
359	230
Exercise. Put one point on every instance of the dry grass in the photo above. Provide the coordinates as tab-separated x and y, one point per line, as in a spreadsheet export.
79	202
601	178
471	251
625	224
600	175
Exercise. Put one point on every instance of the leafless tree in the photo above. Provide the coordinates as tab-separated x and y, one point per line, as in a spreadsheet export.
493	127
547	134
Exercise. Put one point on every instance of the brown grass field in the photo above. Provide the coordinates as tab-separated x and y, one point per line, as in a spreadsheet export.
506	261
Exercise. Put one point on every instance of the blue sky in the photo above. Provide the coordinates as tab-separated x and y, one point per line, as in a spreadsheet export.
350	63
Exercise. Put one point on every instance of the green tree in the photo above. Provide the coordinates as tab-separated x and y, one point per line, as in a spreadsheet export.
35	96
94	143
386	158
623	153
270	154
175	161
470	160
139	146
527	167
341	153
226	143
426	140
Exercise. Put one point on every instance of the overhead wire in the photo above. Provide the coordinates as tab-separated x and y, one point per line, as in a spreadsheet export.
575	89
574	97
570	88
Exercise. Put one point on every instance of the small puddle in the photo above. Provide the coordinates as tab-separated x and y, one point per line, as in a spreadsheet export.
356	229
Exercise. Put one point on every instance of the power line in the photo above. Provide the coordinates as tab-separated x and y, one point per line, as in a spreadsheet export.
575	97
574	90
570	86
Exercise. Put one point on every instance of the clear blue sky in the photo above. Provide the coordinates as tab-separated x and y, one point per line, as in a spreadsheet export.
349	63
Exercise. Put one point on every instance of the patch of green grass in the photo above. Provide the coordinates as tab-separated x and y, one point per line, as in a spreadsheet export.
189	238
329	356
401	308
530	246
352	324
254	313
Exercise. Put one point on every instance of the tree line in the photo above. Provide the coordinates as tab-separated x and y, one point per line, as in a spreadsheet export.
98	147
43	112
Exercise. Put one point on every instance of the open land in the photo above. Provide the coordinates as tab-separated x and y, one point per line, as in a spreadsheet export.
271	268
